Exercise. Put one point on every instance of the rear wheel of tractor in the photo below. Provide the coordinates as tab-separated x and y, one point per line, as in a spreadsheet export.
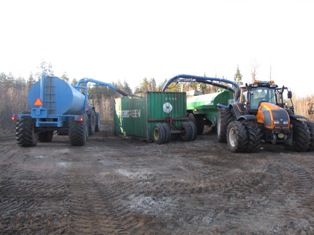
194	130
78	132
159	133
45	136
25	132
186	131
311	127
254	135
167	132
301	137
92	123
237	139
224	118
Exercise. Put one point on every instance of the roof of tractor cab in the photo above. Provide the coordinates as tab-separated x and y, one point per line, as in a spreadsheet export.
258	83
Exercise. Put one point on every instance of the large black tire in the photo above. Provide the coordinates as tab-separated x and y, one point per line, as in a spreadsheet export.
92	123
254	135
194	130
167	132
159	134
237	138
186	131
25	132
311	128
198	122
78	132
301	137
224	118
45	136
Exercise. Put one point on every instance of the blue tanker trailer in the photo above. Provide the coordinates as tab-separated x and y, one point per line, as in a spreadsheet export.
57	106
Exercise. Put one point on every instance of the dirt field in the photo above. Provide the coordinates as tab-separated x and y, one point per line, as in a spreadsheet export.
117	185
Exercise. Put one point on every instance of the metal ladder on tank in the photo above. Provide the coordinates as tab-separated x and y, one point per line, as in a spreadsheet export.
49	97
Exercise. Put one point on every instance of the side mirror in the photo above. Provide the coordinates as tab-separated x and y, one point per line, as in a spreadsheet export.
289	94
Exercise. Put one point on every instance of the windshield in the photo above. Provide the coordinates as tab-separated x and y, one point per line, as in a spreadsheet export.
259	94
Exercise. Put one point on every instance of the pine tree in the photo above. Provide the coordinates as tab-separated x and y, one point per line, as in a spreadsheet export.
238	77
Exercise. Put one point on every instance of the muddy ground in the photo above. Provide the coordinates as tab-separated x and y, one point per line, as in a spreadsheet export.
117	185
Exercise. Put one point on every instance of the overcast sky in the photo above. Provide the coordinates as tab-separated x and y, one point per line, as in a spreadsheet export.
129	40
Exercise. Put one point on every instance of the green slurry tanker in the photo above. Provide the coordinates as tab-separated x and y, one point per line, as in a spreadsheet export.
202	109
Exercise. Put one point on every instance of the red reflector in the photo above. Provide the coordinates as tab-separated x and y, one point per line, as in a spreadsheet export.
15	117
38	102
80	119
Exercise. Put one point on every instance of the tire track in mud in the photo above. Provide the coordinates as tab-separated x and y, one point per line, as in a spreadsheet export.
93	208
21	199
120	189
30	202
214	201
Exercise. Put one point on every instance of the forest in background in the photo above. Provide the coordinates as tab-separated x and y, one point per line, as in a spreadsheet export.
14	93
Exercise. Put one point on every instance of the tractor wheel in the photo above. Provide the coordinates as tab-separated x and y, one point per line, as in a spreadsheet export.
25	132
167	132
186	131
224	118
159	134
311	127
301	137
254	135
45	136
78	132
92	123
194	130
237	139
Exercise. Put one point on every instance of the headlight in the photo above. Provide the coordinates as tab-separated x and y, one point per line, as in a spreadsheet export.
276	122
285	122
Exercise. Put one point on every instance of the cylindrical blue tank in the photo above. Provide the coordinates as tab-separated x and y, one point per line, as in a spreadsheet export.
57	96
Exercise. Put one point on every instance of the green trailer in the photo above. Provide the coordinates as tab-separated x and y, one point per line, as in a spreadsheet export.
203	109
154	116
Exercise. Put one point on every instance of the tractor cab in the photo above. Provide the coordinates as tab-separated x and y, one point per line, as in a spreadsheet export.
254	94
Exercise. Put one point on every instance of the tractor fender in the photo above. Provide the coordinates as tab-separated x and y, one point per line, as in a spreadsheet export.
247	117
239	109
222	106
296	116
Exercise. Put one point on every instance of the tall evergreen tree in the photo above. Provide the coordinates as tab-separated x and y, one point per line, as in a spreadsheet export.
127	88
238	77
30	81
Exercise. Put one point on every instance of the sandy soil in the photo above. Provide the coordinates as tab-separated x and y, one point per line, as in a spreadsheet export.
117	185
